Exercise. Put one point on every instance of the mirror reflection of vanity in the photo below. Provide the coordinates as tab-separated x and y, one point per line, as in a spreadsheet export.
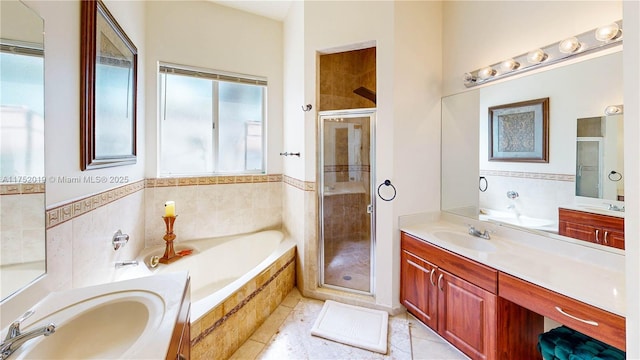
22	205
529	195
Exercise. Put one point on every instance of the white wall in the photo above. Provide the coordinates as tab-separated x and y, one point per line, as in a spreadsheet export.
294	120
631	59
62	96
210	36
417	84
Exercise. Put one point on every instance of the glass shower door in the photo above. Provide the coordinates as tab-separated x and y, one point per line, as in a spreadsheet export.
346	204
589	167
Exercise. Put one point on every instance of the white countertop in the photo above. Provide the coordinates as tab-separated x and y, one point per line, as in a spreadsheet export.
584	273
595	209
63	306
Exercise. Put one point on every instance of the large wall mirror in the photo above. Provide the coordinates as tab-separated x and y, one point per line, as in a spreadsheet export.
22	205
585	148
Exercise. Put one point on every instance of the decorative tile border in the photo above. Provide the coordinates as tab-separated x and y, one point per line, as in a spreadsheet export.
529	175
343	168
212	180
206	332
19	189
62	213
300	184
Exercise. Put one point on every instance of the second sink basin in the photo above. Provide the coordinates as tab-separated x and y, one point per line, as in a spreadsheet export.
465	240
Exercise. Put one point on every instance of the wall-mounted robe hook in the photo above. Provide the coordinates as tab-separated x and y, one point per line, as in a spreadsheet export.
290	154
307	107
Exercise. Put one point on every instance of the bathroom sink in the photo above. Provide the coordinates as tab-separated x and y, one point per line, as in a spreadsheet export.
113	325
465	240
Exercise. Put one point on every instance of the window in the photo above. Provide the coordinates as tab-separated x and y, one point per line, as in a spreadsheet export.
210	122
21	109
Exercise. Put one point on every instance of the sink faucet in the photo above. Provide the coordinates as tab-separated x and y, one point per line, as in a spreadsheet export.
613	207
15	338
484	235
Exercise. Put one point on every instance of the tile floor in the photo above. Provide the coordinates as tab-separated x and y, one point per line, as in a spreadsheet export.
286	334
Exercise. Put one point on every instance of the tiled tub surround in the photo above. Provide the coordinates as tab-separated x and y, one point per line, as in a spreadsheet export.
213	206
22	223
220	332
79	232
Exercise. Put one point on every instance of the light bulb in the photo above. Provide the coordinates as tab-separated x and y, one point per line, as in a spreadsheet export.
509	65
613	110
608	32
468	78
536	56
486	73
569	45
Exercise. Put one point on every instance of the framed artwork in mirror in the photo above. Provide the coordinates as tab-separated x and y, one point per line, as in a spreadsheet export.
109	66
520	131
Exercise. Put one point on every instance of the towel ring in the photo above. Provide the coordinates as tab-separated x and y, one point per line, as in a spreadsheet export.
612	176
483	184
387	183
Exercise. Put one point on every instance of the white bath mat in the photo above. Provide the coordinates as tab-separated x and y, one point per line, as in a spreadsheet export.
353	325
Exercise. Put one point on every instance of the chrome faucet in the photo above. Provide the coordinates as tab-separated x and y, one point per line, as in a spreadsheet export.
124	263
15	338
613	207
484	235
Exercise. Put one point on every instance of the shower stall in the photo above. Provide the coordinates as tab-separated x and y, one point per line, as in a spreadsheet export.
346	204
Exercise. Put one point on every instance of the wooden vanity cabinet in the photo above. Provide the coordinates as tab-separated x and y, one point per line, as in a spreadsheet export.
180	346
582	317
595	228
457	298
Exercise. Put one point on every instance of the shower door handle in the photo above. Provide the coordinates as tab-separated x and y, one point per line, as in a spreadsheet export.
369	209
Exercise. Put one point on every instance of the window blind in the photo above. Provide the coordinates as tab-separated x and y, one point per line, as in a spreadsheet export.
219	76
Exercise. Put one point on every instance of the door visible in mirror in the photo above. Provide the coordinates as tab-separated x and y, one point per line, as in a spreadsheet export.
599	158
22	205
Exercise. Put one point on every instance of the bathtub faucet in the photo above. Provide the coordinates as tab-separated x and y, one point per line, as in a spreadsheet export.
124	263
15	338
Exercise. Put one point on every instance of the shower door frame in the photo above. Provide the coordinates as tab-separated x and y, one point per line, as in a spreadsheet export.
351	113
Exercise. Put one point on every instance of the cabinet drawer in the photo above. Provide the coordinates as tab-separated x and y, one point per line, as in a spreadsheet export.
587	319
473	272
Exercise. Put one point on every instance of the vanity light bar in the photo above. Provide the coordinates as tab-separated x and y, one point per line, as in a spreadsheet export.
588	42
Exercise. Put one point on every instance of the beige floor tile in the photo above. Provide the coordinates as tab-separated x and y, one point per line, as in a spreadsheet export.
292	298
248	351
270	326
290	337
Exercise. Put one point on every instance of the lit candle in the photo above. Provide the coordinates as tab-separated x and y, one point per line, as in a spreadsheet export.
170	209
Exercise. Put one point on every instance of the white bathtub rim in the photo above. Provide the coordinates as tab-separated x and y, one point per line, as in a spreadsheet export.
200	308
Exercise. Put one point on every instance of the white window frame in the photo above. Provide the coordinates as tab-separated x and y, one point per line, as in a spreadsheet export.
216	76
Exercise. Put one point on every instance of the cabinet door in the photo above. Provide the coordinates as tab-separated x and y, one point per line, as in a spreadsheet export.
417	290
613	238
580	231
467	316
